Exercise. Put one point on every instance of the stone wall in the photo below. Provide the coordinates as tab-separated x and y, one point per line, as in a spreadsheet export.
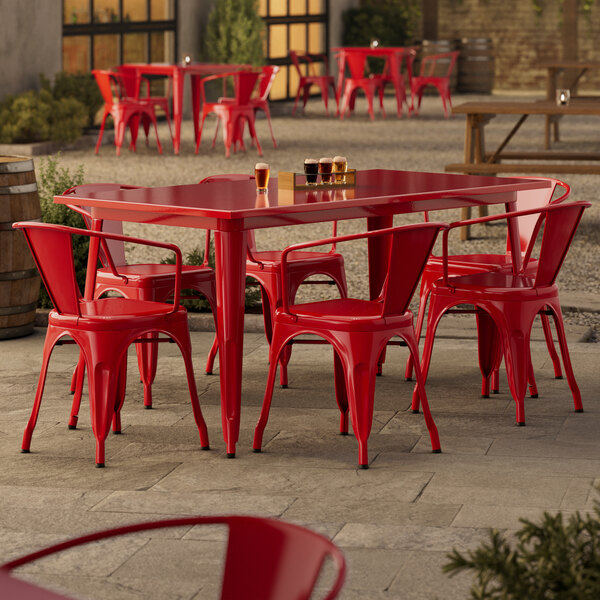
521	37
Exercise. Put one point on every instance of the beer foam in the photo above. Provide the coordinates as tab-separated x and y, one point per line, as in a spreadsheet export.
261	166
325	160
339	159
310	161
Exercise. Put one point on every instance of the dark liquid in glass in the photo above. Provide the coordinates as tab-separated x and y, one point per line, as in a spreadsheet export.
311	170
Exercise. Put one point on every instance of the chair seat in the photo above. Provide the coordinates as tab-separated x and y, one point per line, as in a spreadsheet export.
141	272
349	314
491	281
271	259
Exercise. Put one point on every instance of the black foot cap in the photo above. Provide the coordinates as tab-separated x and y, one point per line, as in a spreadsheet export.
23	451
99	465
485	395
438	451
415	412
533	396
408	379
284	386
495	391
204	447
379	374
579	410
343	433
72	393
209	372
521	423
257	450
363	466
148	407
231	455
72	426
118	432
558	377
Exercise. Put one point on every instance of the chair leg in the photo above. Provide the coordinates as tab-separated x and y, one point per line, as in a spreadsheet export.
550	344
212	354
120	397
99	142
253	135
268	113
423	297
158	144
148	359
489	349
199	138
296	101
341	394
78	375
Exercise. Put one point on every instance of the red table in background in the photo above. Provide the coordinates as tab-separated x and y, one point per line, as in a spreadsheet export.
394	55
231	208
178	72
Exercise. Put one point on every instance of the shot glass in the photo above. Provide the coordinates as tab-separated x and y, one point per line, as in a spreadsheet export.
325	170
261	174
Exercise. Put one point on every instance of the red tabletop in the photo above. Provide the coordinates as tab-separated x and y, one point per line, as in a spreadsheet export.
233	207
178	72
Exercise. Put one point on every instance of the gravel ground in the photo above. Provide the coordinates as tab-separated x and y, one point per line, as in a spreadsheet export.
426	143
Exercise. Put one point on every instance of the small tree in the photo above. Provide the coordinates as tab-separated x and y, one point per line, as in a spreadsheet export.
235	33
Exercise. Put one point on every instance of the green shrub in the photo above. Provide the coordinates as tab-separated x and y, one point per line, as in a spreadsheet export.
38	116
392	22
53	181
196	257
234	33
81	86
552	560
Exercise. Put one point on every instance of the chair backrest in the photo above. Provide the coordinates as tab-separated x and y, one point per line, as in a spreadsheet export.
109	87
529	199
266	559
356	62
560	224
266	81
130	81
244	85
429	64
311	70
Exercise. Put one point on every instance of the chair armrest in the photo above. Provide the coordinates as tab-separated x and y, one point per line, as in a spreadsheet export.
213	78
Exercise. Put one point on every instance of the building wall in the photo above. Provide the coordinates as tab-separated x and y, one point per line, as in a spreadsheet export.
521	37
30	43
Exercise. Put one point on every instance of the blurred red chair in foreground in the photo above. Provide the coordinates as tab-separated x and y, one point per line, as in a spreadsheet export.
231	111
146	281
103	329
358	330
125	111
266	559
265	267
508	302
429	75
465	264
307	80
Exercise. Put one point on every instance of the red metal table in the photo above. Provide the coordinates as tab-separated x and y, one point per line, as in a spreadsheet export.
178	72
231	208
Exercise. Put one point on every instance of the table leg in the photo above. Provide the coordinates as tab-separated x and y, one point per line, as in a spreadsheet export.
177	108
195	82
378	250
513	238
230	268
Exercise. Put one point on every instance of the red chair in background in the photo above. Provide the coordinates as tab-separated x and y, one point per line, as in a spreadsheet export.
356	61
103	328
266	559
508	301
149	281
429	75
124	110
133	83
393	75
357	329
232	111
312	77
265	267
465	264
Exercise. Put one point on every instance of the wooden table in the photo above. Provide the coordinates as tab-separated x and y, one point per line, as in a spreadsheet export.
232	208
554	70
178	72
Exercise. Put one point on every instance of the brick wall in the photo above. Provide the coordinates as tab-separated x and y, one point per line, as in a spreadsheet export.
521	37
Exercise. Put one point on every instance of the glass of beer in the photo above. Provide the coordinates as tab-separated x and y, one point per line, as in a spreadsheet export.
261	174
340	165
325	169
311	170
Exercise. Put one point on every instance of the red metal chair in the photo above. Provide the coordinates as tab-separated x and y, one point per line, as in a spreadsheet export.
265	267
266	559
103	328
125	111
232	112
509	301
312	77
429	76
465	264
133	83
260	102
358	329
356	62
140	282
396	78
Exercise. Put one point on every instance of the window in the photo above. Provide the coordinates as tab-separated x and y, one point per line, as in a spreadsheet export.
99	34
293	25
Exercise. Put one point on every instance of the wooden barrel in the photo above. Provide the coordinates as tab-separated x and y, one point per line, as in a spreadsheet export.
429	47
19	279
476	66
